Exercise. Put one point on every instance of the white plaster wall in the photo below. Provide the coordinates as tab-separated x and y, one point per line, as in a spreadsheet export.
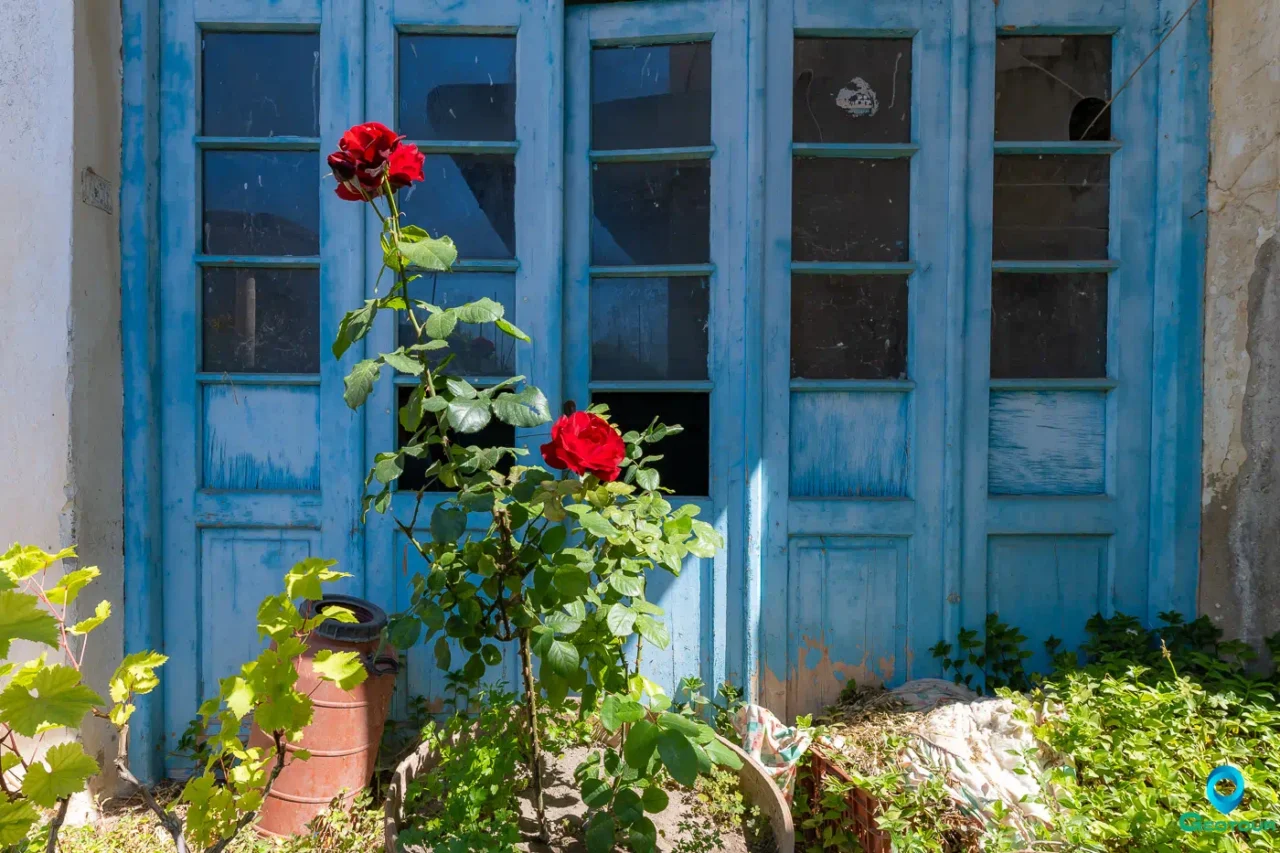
37	93
60	366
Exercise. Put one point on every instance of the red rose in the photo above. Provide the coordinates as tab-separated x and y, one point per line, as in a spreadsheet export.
404	166
368	152
585	444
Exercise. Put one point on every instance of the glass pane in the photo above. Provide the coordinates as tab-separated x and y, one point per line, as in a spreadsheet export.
685	465
261	203
1053	87
651	96
1051	208
850	210
261	84
649	328
848	327
852	90
260	320
496	434
651	213
469	197
1048	325
477	350
458	87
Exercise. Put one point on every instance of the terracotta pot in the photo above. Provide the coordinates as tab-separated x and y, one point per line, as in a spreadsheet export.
346	729
756	785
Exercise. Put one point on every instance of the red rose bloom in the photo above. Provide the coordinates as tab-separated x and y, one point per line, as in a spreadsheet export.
368	152
585	444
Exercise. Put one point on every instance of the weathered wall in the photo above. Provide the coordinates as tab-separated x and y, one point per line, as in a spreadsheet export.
96	389
1240	545
60	396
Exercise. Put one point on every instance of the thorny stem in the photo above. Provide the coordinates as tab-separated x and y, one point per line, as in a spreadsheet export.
535	752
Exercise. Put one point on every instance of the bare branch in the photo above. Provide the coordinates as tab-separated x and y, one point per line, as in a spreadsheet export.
55	825
170	821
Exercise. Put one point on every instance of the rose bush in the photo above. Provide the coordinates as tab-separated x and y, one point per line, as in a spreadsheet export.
585	443
562	569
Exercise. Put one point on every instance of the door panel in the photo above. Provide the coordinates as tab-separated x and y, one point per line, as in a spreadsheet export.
476	85
257	262
655	269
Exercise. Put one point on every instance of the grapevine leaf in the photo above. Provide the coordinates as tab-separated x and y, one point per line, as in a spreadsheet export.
59	700
344	669
64	771
100	614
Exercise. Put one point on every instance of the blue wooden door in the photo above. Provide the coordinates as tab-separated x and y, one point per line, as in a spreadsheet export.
957	331
477	86
655	274
260	458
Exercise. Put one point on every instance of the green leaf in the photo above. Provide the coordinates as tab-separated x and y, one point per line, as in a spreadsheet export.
447	524
678	755
553	539
483	310
654	800
441	325
513	331
306	577
597	525
239	696
653	631
387	467
643	836
60	700
469	416
136	675
527	408
626	806
609	714
435	254
687	727
403	631
600	833
561	622
491	654
647	479
22	618
403	362
100	614
18	816
70	584
344	669
596	793
354	326
627	583
562	658
444	656
359	382
620	620
722	755
64	771
640	744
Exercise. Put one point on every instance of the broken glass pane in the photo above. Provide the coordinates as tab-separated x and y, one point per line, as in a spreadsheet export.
1053	88
852	90
651	213
478	350
469	197
1051	207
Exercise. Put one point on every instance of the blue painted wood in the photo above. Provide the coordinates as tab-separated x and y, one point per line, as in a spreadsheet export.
258	509
648	155
240	565
851	444
1048	586
257	14
179	341
862	151
1182	159
1048	443
261	438
139	265
847	601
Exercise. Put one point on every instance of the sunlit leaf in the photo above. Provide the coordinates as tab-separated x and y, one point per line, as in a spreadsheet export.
63	771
